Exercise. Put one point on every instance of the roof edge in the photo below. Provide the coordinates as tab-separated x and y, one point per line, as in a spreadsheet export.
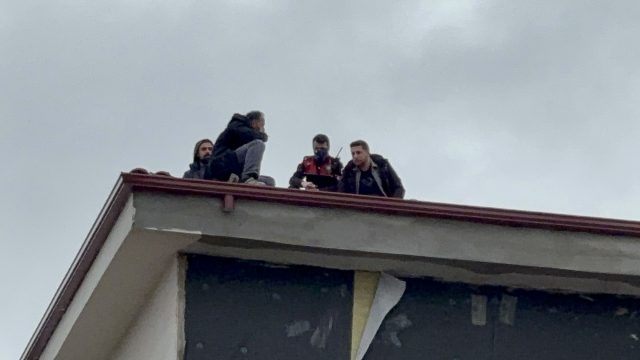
130	182
75	275
391	206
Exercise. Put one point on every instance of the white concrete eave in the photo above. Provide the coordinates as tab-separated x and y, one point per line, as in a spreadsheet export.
151	219
126	270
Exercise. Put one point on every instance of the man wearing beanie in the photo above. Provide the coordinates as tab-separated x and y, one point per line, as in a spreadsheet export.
320	171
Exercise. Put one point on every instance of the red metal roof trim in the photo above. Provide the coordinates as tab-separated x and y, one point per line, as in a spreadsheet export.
387	205
139	181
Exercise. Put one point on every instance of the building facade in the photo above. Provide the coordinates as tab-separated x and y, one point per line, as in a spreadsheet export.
188	269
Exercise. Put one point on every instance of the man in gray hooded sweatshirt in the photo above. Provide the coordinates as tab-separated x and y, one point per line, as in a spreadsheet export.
201	157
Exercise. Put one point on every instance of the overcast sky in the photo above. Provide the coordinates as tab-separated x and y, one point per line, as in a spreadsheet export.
529	105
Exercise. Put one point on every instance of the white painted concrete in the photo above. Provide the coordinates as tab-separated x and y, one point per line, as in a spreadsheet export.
107	253
156	332
127	304
357	231
127	270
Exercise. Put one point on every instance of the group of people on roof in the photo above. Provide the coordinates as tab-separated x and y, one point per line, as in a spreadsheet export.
236	157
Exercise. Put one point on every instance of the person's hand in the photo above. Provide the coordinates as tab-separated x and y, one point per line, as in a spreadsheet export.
309	186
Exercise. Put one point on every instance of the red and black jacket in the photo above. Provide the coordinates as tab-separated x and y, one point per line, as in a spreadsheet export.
325	175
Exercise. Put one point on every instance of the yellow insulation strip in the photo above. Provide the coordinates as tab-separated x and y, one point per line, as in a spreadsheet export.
365	284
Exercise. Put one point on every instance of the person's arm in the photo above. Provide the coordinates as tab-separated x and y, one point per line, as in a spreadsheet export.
247	134
397	190
296	180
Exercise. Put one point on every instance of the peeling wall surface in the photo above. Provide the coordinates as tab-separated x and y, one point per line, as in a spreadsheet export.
473	291
253	310
436	320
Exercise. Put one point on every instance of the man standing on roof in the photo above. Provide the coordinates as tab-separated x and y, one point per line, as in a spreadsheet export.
239	150
201	157
369	174
320	170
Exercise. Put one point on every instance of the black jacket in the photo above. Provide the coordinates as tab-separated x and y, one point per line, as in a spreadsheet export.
196	171
197	167
329	184
224	160
390	181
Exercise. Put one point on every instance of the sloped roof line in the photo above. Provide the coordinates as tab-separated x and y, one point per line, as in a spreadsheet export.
140	181
79	268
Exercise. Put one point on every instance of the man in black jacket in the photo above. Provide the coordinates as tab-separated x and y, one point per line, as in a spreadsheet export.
320	170
239	150
201	157
368	174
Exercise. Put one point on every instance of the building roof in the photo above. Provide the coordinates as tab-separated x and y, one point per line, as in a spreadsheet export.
141	181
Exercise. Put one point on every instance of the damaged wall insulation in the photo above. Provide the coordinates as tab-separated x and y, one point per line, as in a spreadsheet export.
365	284
388	293
252	310
238	309
448	321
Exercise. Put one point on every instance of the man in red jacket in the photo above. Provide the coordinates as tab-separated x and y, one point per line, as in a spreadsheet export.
320	171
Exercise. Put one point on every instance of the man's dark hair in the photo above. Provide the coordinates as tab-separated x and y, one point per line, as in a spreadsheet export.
196	150
254	115
361	143
321	139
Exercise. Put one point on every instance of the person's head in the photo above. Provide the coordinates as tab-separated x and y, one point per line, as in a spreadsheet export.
321	147
203	150
320	141
360	153
256	119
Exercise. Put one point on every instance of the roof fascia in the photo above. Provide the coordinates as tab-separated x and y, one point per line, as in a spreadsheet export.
80	267
128	183
389	206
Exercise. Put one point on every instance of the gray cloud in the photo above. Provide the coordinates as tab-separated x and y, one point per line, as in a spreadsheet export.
498	103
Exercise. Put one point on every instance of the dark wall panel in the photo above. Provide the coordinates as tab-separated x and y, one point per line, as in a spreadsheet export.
558	327
252	310
433	321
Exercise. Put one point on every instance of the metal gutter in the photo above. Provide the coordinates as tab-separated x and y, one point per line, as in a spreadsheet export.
389	206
